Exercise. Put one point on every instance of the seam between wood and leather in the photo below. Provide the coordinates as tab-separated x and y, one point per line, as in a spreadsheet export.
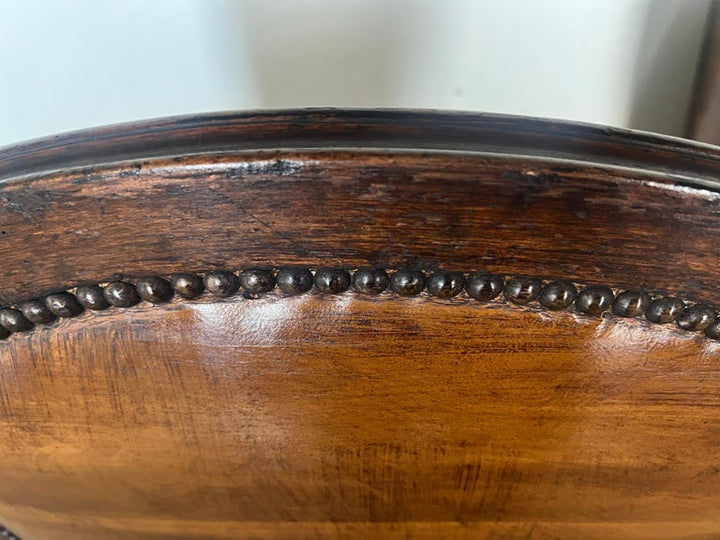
553	296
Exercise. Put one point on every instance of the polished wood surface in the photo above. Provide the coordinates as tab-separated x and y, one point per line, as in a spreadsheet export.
516	195
306	415
290	417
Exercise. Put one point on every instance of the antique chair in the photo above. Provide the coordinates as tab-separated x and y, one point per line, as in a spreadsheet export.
359	324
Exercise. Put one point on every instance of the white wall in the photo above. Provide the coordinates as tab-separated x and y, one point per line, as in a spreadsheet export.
76	63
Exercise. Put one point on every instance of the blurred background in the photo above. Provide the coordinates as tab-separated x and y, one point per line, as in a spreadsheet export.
73	64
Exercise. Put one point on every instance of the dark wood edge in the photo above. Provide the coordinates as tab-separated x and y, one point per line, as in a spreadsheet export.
690	162
521	155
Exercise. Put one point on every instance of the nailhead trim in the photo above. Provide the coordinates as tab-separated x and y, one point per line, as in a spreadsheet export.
7	535
478	286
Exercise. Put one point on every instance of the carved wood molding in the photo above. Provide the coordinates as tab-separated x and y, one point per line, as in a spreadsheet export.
355	188
588	300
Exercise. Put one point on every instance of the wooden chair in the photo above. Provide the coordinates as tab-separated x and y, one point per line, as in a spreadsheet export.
359	324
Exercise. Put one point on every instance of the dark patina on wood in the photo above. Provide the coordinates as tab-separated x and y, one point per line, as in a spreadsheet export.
360	188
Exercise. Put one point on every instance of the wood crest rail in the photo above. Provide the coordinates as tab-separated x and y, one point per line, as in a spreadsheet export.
331	323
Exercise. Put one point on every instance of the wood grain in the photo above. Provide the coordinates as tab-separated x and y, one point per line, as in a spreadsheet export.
465	211
209	418
351	416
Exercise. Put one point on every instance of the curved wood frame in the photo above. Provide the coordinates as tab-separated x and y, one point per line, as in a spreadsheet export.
446	203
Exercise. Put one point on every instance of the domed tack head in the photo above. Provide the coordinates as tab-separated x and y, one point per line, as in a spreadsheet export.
256	281
558	295
370	280
64	304
188	285
696	318
664	310
445	284
36	311
294	280
713	330
332	280
154	289
121	294
221	283
483	286
92	297
594	300
631	303
522	290
14	321
407	282
4	533
4	333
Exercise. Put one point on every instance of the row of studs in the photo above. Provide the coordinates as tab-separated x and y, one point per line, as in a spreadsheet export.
4	533
592	300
